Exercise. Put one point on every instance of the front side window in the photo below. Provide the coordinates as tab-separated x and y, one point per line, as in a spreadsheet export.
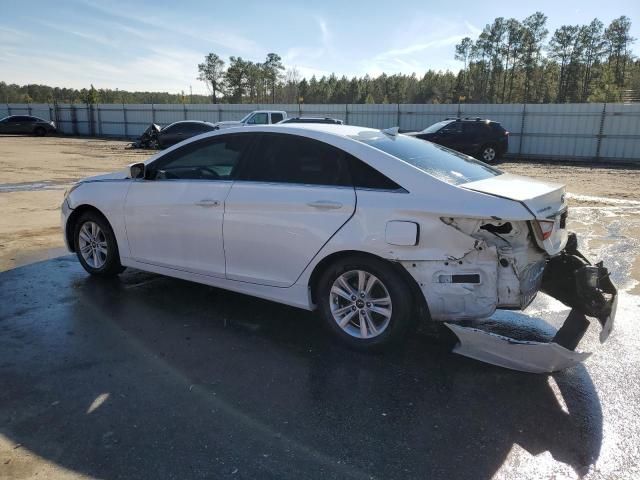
259	119
440	162
210	159
282	158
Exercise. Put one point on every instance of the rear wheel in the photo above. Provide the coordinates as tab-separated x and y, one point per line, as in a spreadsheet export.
488	153
95	245
40	131
365	302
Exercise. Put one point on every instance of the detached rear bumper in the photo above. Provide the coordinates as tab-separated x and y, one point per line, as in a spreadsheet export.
572	279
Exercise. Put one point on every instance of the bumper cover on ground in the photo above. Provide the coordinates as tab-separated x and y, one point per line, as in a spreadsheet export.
572	279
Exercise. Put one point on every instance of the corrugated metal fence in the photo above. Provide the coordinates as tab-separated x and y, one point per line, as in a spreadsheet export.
588	131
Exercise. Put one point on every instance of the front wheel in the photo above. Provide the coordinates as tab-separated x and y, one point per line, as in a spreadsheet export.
95	245
365	302
40	132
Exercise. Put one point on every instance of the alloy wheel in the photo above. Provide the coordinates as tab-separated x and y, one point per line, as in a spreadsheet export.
489	154
360	304
93	244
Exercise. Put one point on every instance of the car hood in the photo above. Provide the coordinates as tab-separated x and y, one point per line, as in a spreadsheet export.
543	199
119	175
228	124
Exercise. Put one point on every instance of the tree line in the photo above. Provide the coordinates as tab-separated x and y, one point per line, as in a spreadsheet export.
511	61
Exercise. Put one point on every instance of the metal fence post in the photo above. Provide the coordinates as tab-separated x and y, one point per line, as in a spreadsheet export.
346	113
90	120
184	107
153	114
74	119
522	124
124	115
600	130
398	115
50	112
99	121
29	108
8	109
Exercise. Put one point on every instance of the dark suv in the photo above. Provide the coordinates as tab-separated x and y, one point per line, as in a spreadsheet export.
26	124
484	139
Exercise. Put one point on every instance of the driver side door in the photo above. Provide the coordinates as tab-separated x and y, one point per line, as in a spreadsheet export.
174	215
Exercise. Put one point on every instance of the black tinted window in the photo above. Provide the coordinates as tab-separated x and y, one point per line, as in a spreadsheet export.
365	176
20	118
292	159
210	159
276	117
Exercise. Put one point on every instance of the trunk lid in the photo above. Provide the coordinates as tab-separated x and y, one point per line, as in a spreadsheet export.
545	200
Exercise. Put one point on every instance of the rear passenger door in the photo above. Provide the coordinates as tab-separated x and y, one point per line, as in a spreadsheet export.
291	196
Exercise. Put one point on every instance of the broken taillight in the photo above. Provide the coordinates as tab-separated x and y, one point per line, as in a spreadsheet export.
546	228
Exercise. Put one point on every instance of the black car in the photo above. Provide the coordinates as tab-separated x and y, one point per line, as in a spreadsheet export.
26	124
334	121
485	139
179	131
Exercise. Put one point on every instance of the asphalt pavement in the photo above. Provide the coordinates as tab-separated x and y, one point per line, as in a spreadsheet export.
151	377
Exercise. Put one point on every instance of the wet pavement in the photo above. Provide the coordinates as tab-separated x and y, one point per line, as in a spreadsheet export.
151	377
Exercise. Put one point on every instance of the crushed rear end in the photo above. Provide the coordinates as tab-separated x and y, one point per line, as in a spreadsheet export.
548	261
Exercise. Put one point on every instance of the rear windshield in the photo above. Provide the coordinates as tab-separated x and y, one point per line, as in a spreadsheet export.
445	164
436	126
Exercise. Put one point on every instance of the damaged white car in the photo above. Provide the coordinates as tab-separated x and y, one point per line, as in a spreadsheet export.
372	228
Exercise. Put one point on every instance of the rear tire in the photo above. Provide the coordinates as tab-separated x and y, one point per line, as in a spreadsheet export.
365	302
40	132
95	245
488	153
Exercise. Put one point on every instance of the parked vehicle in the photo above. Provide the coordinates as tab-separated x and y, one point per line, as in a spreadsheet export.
372	228
26	124
334	121
257	117
179	131
483	139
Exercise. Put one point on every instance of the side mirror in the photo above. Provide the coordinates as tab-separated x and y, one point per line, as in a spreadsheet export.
136	170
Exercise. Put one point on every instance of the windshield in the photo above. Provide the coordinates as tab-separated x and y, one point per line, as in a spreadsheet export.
436	126
246	117
445	164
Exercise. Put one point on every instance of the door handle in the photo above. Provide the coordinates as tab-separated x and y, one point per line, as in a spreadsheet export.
325	204
208	203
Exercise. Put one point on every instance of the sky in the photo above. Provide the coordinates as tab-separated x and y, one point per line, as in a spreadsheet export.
156	45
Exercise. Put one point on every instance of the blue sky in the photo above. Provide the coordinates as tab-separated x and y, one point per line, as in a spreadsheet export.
156	45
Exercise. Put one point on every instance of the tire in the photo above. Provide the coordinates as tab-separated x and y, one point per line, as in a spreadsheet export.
40	132
91	232
391	321
488	153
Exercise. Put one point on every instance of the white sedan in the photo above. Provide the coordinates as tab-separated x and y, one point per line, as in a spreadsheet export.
372	228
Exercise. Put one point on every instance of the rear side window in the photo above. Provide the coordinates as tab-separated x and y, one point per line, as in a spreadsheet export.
281	158
365	176
276	117
440	162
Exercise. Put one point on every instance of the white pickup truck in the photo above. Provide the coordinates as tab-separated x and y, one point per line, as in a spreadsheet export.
257	117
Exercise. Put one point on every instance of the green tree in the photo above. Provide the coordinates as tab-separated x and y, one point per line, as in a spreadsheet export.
211	72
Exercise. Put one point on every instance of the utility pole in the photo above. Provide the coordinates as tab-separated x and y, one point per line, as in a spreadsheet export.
190	94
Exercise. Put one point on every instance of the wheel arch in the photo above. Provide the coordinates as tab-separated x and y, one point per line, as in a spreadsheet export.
420	303
73	218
